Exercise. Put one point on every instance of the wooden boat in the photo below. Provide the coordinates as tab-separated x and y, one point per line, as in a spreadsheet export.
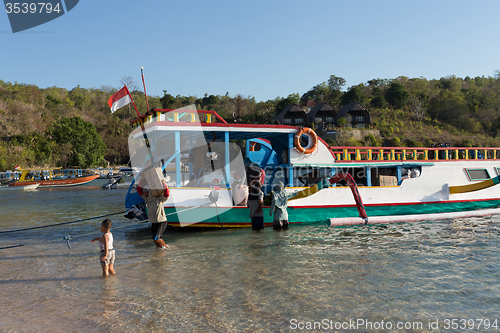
29	187
391	181
53	177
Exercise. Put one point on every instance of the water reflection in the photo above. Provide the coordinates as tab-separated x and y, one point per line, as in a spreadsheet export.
233	280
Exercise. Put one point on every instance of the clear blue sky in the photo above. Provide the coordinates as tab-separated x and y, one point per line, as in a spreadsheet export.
255	48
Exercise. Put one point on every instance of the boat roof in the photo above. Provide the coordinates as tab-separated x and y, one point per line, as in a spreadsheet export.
236	131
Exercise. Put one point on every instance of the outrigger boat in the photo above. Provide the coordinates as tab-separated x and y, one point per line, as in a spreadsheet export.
53	177
386	181
29	187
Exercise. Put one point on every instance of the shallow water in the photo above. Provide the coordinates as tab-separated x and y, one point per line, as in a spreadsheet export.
238	280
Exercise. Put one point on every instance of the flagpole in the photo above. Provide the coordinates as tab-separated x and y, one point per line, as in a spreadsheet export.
144	84
128	92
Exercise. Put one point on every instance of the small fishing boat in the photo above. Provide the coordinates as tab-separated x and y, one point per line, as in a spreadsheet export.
53	177
29	187
385	181
116	182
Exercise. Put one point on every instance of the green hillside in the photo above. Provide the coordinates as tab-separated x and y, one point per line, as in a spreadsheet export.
74	128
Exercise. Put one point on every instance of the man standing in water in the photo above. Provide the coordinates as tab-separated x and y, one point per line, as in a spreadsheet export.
156	212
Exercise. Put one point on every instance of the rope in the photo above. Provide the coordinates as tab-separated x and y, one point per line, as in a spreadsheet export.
63	223
69	237
66	238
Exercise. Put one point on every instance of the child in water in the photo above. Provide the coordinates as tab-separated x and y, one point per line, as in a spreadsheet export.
107	255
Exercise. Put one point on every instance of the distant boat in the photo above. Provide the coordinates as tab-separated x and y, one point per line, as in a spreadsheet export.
29	187
118	182
53	177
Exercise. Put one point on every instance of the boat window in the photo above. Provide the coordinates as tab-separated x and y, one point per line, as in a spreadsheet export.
497	171
477	174
304	176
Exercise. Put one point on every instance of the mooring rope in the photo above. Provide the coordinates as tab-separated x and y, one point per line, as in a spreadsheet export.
67	238
62	223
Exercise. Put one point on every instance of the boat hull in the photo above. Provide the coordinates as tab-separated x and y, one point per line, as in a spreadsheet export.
57	182
238	217
427	194
29	187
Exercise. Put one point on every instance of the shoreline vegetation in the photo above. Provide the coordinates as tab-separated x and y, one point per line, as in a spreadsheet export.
57	127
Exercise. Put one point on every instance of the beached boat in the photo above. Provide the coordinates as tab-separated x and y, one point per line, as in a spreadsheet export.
391	181
53	177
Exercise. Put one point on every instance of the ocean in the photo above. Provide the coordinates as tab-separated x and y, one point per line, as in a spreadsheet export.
423	277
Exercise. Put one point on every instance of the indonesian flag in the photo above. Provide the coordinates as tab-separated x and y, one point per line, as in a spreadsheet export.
120	99
17	167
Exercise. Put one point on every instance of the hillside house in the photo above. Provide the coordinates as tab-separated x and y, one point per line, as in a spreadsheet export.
323	114
356	115
292	115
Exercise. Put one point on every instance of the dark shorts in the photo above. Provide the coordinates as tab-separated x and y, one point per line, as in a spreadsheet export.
157	230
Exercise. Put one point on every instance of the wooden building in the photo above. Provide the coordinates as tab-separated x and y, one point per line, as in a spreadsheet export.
292	115
356	115
323	113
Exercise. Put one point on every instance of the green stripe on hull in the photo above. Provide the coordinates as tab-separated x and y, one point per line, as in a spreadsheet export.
321	214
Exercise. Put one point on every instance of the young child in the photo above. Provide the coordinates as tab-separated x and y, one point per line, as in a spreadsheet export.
279	206
107	256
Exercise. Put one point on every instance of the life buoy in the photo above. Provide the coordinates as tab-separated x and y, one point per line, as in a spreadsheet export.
252	146
313	141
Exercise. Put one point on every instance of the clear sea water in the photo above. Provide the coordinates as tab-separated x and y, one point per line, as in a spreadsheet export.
240	280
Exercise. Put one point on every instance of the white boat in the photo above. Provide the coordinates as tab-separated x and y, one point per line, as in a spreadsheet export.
390	180
29	187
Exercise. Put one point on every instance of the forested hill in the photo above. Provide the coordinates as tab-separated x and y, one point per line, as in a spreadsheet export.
74	128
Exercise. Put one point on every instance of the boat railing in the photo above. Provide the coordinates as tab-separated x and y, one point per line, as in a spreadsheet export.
9	175
351	154
189	116
61	173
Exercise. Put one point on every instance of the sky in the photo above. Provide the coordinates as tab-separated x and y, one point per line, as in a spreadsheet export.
265	49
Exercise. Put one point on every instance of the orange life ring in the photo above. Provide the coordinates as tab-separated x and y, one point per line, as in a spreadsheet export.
252	146
313	141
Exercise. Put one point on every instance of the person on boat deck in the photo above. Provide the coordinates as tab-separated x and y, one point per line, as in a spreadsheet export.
279	205
107	251
198	157
255	203
254	172
156	212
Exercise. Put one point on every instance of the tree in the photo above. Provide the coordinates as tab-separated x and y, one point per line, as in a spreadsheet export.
319	93
417	108
282	103
397	95
354	94
130	83
335	85
167	101
80	97
87	149
378	102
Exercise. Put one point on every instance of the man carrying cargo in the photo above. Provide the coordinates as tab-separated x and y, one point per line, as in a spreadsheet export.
156	211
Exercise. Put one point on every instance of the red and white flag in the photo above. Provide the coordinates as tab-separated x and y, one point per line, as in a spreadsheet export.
119	99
